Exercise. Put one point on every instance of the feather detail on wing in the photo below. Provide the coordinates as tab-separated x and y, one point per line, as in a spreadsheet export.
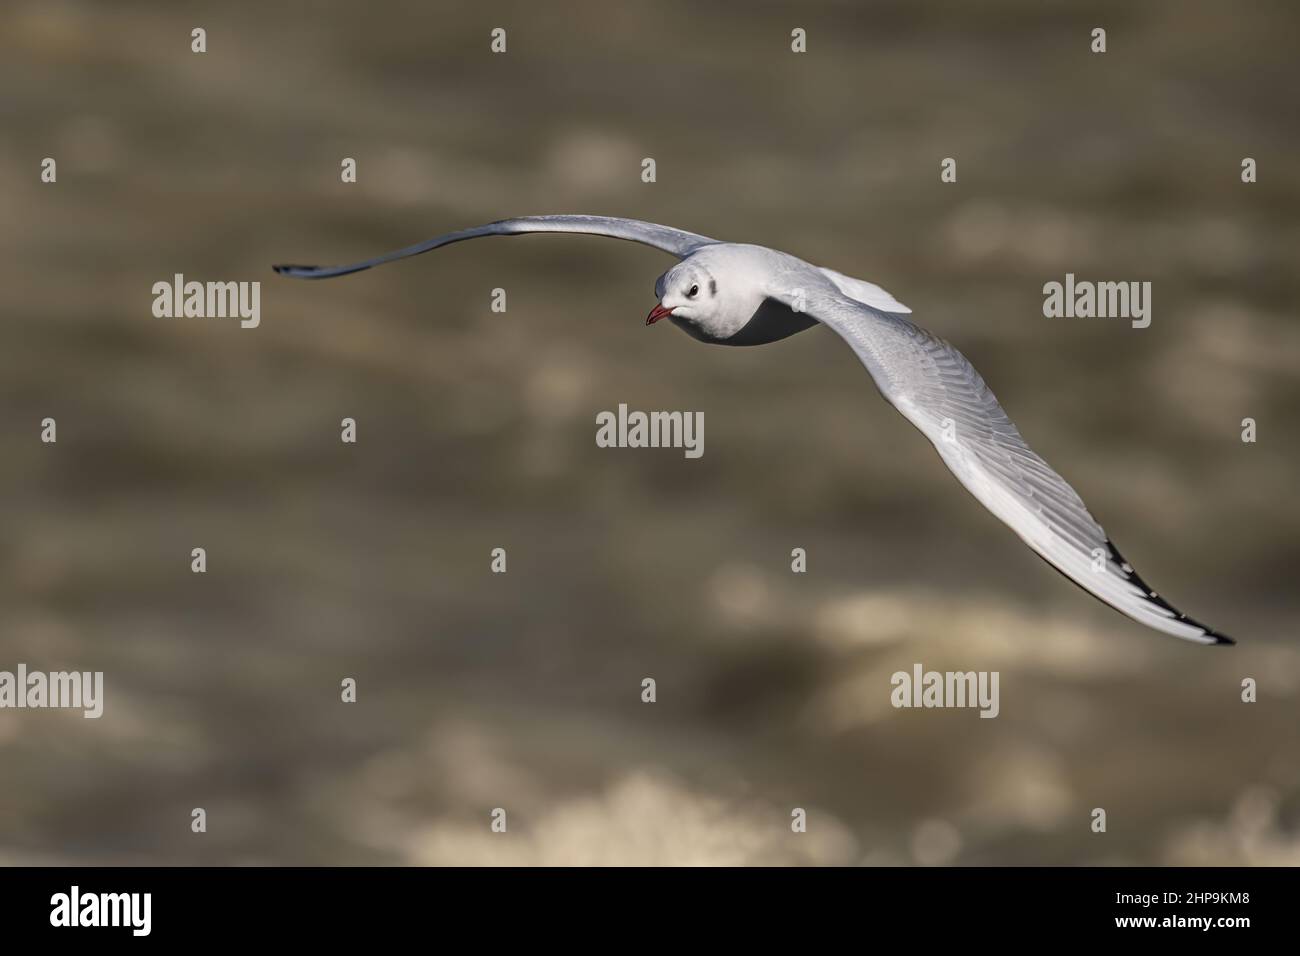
940	392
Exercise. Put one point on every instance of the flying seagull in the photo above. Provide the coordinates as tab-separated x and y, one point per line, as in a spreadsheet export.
738	294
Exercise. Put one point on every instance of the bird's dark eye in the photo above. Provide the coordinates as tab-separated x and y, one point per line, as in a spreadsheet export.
695	290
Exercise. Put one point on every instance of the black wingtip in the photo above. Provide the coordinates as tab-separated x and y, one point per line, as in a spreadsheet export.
296	271
1218	638
322	272
1156	599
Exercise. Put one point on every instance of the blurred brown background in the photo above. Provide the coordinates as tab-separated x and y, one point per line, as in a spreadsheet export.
476	430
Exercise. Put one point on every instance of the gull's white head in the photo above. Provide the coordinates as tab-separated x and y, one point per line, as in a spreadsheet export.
689	293
709	295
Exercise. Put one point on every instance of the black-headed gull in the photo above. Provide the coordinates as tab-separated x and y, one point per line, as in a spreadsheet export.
737	294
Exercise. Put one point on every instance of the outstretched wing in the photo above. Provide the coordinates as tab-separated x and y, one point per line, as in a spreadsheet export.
939	392
675	241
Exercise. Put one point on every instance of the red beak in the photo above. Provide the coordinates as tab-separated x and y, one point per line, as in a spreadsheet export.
657	313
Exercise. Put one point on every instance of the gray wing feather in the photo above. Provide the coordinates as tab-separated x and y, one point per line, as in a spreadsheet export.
940	392
675	241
